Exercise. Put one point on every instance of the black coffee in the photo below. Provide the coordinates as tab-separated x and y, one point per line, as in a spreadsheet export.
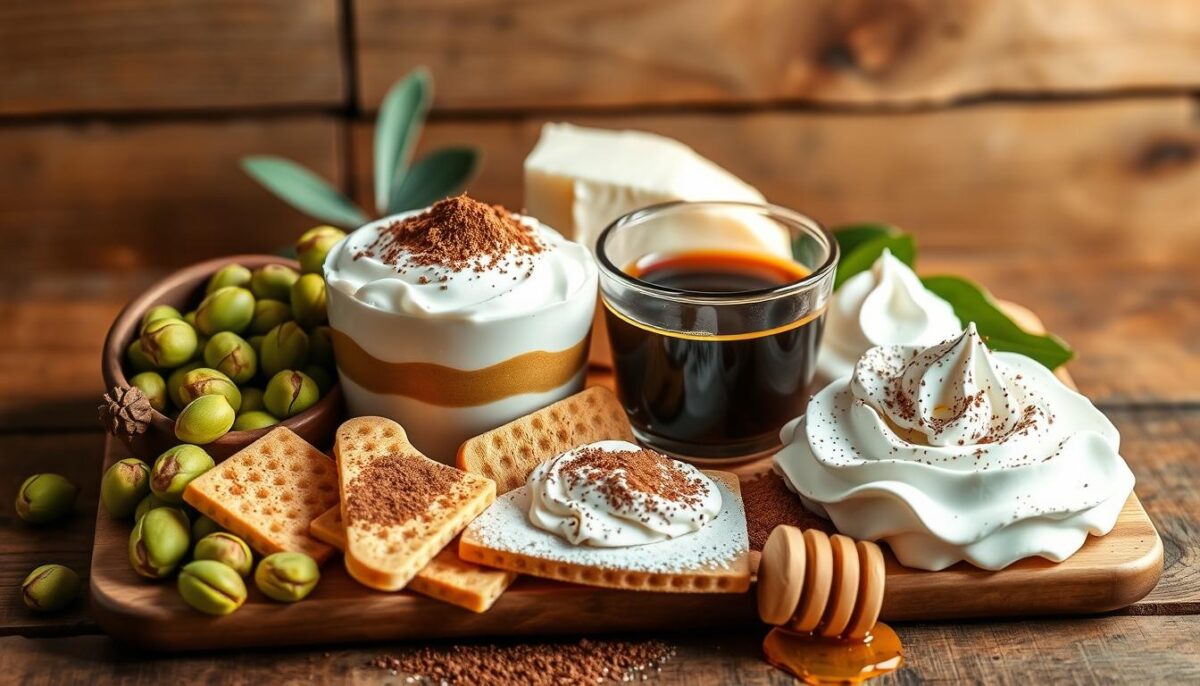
729	393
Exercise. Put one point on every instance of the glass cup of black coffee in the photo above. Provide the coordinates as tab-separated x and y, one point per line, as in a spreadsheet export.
714	312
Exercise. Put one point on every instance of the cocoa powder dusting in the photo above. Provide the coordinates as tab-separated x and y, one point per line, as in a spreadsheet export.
769	503
546	664
456	233
645	472
394	490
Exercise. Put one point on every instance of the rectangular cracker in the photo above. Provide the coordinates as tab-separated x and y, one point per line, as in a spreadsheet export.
446	578
269	492
387	555
529	550
508	454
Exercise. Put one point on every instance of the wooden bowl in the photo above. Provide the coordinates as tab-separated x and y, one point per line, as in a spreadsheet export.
182	290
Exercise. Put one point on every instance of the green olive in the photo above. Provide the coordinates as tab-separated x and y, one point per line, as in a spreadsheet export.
152	385
308	300
287	577
225	309
289	393
50	588
123	487
176	468
314	245
45	498
169	342
211	587
159	541
204	420
229	275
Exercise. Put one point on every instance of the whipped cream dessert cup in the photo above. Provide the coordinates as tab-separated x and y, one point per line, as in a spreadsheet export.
452	351
954	452
884	305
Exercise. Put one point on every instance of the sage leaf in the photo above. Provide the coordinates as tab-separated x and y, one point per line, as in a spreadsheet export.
396	132
864	253
304	190
972	303
851	236
439	174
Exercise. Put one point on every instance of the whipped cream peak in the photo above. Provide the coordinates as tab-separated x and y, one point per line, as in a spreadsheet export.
884	305
616	494
954	452
410	265
950	394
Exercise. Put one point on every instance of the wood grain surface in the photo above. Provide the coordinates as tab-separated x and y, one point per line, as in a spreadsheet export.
1066	177
114	55
1099	650
576	53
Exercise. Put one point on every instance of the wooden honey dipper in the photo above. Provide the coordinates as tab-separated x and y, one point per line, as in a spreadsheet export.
813	583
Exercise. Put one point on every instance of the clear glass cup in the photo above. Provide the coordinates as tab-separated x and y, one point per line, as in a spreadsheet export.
711	373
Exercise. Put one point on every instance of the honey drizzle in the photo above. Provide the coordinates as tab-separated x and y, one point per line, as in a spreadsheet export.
816	660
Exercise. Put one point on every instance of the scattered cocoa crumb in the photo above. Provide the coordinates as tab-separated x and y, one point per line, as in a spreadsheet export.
393	490
646	471
546	664
456	233
768	504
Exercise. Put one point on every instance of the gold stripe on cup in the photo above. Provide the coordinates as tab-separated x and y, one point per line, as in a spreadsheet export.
533	372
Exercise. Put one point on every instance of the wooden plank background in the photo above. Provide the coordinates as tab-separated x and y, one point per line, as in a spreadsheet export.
1050	149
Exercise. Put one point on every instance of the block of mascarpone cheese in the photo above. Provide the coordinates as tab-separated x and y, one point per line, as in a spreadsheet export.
884	305
953	452
450	341
579	180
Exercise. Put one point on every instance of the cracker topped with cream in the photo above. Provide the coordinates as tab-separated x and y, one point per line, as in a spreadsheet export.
616	515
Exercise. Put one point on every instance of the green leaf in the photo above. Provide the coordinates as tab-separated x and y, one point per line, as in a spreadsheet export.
851	236
304	190
396	131
439	174
974	304
865	252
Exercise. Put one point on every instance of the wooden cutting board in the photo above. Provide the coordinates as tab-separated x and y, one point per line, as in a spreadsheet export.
1107	573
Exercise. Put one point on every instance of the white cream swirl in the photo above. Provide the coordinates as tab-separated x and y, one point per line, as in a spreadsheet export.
604	503
513	285
884	305
956	453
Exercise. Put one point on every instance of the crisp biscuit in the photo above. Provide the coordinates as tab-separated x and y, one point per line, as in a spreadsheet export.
502	537
446	577
386	556
269	492
509	453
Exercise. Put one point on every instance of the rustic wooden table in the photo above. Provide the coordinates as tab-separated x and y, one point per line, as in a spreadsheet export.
48	425
119	150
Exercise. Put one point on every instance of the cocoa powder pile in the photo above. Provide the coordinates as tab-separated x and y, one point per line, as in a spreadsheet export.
547	664
768	504
394	490
646	471
456	233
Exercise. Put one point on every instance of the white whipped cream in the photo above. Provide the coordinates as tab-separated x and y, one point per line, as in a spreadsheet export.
885	305
953	453
515	284
572	501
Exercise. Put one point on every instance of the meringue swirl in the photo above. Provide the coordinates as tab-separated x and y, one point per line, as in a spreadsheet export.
885	305
615	494
953	453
